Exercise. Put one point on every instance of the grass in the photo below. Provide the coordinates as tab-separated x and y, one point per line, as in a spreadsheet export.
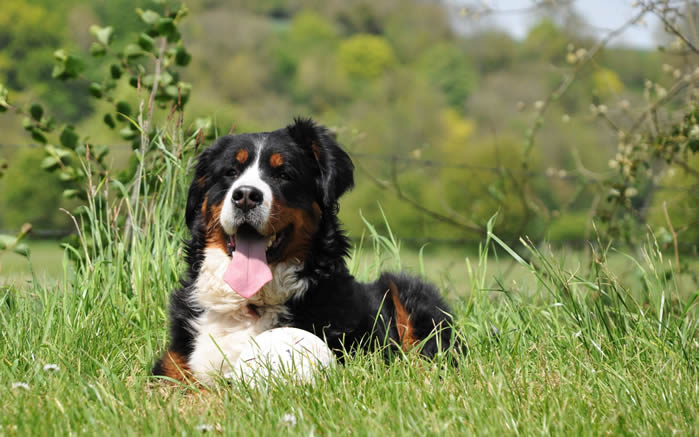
45	260
557	345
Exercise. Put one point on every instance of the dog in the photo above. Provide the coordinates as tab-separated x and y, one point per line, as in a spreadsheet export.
267	250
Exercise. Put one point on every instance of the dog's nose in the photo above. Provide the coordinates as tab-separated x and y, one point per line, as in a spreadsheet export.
246	197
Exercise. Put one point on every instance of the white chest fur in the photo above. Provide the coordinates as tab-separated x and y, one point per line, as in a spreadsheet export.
227	324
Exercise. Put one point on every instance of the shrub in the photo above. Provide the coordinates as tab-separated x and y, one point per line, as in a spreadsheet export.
365	56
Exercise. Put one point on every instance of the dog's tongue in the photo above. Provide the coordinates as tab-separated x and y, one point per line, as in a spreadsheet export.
248	271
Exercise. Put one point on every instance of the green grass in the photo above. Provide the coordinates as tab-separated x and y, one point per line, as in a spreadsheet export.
565	343
45	260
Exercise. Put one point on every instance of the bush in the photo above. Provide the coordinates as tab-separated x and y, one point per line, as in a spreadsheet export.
365	56
448	69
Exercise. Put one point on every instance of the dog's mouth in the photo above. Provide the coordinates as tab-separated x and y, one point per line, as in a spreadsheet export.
274	244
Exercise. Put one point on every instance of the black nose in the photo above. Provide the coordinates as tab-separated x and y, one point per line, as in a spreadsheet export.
246	197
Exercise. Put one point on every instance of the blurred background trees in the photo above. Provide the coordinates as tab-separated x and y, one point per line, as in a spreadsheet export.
432	115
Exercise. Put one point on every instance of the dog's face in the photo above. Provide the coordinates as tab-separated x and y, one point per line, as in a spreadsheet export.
270	187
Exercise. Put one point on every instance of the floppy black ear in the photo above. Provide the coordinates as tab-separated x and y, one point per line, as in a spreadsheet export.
336	168
197	188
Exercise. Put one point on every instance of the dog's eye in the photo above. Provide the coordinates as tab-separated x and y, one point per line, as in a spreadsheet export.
284	175
232	172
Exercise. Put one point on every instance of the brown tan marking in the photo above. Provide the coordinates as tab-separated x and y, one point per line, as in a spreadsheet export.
175	366
304	223
242	156
405	329
316	150
215	235
276	160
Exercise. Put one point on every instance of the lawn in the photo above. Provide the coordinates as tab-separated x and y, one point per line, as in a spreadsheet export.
564	346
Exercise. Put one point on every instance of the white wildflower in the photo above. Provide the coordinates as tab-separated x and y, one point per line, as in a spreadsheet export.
613	163
667	68
571	58
676	74
539	104
289	419
580	53
602	109
565	118
550	172
18	385
614	192
204	427
52	368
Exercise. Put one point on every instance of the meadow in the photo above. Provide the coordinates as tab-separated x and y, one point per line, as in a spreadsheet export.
565	342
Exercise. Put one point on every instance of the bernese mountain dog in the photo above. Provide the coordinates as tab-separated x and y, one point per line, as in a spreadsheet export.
267	250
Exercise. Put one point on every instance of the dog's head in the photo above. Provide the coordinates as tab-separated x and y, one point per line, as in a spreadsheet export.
268	191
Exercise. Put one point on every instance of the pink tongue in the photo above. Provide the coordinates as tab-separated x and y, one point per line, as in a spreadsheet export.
248	271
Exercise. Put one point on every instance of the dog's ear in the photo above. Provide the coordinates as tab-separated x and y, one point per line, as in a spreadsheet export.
197	189
336	168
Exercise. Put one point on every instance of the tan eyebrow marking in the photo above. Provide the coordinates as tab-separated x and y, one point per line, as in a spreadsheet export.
242	156
276	160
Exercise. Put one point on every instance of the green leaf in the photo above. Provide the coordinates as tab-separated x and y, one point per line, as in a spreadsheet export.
182	57
115	71
69	138
145	42
97	49
166	26
103	34
60	55
7	241
38	137
36	111
171	90
148	16
148	80
67	66
49	163
22	249
132	51
165	78
54	151
96	90
127	133
109	121
123	110
67	175
71	193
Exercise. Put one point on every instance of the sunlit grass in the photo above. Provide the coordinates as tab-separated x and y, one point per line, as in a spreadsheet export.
566	343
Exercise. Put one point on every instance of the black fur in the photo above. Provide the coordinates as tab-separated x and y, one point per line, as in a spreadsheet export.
348	314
